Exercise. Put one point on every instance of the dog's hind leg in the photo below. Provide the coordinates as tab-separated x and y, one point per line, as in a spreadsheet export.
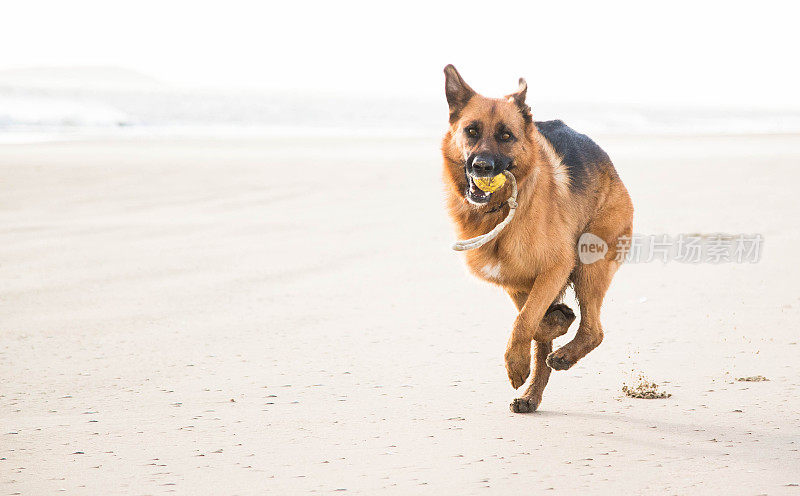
591	281
557	320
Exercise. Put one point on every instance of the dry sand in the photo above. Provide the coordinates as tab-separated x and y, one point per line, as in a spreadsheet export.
285	317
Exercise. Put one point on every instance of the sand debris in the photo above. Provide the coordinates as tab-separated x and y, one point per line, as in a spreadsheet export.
752	378
644	389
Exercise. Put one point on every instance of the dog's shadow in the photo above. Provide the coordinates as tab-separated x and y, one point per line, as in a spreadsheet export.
630	429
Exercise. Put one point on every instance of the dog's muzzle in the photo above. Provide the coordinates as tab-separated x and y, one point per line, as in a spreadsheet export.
483	166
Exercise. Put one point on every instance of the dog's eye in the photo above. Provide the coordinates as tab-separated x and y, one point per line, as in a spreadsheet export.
506	136
472	132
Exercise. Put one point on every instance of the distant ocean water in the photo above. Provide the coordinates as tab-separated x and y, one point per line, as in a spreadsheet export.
39	114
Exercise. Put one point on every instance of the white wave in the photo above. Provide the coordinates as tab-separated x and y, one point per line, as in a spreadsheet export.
76	113
29	110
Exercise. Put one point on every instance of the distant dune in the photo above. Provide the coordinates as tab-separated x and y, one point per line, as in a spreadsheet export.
66	99
101	77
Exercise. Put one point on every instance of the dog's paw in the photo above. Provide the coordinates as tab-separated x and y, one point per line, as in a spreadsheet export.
559	315
558	361
518	365
523	405
555	322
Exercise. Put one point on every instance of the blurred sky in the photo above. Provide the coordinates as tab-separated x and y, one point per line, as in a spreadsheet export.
665	52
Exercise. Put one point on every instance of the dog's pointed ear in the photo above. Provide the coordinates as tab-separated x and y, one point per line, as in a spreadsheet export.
456	90
518	97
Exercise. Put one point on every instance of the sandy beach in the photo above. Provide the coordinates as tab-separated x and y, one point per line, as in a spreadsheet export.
285	316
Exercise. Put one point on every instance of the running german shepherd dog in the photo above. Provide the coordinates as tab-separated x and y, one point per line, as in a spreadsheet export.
567	187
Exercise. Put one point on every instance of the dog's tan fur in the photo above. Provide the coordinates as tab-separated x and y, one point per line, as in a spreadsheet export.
535	257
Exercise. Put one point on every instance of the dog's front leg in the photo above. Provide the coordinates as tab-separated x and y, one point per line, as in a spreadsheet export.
545	289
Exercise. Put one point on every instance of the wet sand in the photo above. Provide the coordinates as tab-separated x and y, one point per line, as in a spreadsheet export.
251	316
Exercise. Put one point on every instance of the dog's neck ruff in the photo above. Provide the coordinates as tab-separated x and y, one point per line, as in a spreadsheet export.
478	241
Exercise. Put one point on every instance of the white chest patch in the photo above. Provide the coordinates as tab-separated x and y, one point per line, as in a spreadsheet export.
491	271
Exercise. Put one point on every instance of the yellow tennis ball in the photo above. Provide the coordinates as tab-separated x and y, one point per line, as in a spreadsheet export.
490	184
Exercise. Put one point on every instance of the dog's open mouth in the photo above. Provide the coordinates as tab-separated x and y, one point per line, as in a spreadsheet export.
475	194
481	188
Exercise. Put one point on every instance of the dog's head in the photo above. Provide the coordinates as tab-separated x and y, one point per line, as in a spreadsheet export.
486	137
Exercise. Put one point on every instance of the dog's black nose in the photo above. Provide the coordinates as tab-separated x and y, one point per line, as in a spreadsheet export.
483	164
